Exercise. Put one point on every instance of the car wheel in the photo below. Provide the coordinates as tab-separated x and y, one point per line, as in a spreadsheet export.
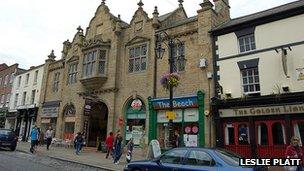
13	148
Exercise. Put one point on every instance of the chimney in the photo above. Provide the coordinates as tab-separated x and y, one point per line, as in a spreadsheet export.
223	9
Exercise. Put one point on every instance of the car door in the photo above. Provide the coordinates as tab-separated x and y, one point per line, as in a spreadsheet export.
170	161
199	160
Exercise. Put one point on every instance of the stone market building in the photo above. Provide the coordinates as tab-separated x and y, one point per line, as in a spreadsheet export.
109	77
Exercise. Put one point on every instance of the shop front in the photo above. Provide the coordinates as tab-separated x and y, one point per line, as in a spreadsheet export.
10	120
136	121
26	119
262	131
188	121
49	115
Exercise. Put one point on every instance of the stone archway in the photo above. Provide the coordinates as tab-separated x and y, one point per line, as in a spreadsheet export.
69	113
98	121
135	120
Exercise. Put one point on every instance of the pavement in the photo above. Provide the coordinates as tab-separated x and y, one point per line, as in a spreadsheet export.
89	156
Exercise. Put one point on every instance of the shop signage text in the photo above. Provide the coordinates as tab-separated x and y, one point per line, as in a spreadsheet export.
256	111
184	102
49	112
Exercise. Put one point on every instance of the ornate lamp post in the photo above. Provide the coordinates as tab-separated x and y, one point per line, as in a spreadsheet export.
161	38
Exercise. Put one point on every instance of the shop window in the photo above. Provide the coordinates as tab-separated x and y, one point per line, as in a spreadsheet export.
199	158
299	131
243	133
229	135
278	134
262	134
174	156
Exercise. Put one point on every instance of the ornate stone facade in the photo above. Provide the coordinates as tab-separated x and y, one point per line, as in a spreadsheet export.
109	75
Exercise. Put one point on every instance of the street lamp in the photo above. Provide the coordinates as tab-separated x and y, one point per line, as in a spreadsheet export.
162	37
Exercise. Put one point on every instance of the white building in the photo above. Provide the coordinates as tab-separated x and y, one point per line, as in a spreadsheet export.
24	101
259	60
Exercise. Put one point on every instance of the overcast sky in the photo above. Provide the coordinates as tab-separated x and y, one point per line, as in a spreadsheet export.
30	29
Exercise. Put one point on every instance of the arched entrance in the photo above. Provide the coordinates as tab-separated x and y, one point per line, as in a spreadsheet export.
69	121
136	120
98	121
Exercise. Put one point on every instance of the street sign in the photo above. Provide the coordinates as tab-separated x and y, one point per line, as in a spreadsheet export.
170	115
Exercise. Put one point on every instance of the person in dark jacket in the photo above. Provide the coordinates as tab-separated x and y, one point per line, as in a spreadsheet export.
78	141
117	147
178	140
130	147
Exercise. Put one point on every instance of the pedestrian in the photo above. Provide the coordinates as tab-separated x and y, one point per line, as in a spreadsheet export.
109	144
130	147
294	150
117	147
78	141
34	138
177	141
49	137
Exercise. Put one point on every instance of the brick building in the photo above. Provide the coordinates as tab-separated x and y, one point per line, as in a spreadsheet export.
104	77
7	75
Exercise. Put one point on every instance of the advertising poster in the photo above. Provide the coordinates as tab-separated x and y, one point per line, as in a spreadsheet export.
137	132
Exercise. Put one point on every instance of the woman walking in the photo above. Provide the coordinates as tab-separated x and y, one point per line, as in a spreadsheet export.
109	144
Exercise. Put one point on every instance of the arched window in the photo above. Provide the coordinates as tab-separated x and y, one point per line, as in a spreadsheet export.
278	134
262	134
243	134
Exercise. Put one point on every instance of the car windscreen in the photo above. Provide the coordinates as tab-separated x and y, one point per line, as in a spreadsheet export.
5	132
228	157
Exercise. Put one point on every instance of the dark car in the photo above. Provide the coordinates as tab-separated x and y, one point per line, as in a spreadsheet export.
8	139
191	159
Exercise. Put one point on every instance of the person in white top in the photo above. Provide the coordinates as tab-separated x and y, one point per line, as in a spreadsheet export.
48	136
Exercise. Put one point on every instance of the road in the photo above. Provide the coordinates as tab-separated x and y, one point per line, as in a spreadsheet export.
18	161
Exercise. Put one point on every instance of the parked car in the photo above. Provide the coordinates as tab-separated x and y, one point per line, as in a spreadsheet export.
8	139
191	159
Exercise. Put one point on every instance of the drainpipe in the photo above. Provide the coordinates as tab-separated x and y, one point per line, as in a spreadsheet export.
155	70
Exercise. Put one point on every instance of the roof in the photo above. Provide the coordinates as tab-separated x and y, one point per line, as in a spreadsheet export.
3	66
165	16
286	8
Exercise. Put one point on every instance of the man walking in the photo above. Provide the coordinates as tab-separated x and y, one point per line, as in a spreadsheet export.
34	138
109	144
49	137
117	148
78	142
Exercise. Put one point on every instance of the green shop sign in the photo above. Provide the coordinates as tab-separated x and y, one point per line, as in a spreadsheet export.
178	102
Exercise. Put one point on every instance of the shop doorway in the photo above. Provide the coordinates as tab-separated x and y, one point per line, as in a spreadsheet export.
97	123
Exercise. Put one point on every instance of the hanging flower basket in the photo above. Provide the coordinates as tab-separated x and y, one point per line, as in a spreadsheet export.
170	80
